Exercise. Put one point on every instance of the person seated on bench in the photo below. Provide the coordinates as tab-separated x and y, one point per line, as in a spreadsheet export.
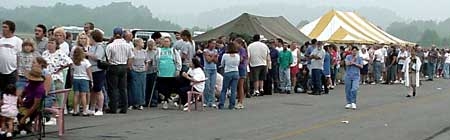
32	95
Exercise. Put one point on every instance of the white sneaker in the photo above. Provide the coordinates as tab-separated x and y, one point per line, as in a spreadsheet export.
348	106
130	108
91	112
214	105
52	121
353	106
98	113
396	82
204	105
185	109
2	132
141	108
165	105
23	132
9	134
175	104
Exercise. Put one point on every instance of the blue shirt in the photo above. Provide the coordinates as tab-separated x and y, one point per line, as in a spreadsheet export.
274	54
327	64
352	71
167	66
309	50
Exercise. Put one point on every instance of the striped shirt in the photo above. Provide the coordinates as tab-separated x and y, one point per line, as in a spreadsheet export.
118	52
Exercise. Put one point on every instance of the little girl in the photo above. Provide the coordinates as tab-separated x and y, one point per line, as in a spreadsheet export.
25	60
9	110
82	76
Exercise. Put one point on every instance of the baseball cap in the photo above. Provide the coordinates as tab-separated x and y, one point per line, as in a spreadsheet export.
118	30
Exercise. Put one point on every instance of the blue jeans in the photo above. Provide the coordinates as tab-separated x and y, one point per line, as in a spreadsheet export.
230	81
351	89
285	79
446	68
316	78
431	70
377	71
137	88
210	84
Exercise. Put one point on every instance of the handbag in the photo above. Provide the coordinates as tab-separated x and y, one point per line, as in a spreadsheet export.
102	64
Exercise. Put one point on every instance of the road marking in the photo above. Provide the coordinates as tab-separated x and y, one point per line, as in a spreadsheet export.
359	115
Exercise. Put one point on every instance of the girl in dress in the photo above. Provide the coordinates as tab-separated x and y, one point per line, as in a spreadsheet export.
9	110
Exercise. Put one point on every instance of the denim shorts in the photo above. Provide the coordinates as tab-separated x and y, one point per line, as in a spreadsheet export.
21	83
242	72
80	85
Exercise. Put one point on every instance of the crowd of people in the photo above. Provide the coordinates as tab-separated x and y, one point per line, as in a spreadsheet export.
126	73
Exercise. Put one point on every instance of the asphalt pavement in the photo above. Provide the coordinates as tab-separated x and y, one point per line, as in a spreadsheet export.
384	113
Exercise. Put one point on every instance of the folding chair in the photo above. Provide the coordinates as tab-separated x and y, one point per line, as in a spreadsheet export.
194	94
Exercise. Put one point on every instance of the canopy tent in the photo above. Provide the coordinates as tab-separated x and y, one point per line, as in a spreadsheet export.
348	27
269	27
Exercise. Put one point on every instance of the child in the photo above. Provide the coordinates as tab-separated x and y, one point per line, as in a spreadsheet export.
9	110
24	63
82	76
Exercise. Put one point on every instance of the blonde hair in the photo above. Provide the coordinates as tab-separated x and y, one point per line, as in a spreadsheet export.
136	41
60	30
87	39
29	42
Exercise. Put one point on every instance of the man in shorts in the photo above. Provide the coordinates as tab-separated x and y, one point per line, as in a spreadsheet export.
259	60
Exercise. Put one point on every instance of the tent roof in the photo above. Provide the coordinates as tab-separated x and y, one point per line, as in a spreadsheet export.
348	27
269	27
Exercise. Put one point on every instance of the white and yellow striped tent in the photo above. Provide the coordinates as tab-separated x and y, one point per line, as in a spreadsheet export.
348	27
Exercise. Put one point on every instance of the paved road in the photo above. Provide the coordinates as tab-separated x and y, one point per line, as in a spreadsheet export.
383	114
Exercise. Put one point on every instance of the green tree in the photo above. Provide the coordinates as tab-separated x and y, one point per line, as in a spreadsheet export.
430	37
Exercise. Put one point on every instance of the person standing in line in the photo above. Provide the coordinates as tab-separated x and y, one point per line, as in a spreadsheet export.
432	60
411	68
120	57
230	62
10	46
354	64
151	96
82	80
259	61
272	76
138	76
366	58
326	76
294	67
187	50
317	57
241	45
402	55
168	62
285	60
40	38
446	66
210	56
95	54
391	65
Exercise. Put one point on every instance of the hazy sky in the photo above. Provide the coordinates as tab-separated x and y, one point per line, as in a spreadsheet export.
408	9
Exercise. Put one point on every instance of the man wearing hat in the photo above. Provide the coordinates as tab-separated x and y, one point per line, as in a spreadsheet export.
120	57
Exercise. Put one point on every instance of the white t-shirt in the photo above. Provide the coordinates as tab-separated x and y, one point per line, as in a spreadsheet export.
447	57
384	50
258	53
364	56
80	72
402	54
294	57
9	48
279	49
379	55
198	75
64	48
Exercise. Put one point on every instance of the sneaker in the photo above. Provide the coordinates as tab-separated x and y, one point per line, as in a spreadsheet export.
98	113
396	82
9	134
373	83
165	105
185	109
90	112
23	132
52	121
85	114
353	106
256	93
204	105
348	106
141	108
214	106
130	108
239	106
175	104
2	132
